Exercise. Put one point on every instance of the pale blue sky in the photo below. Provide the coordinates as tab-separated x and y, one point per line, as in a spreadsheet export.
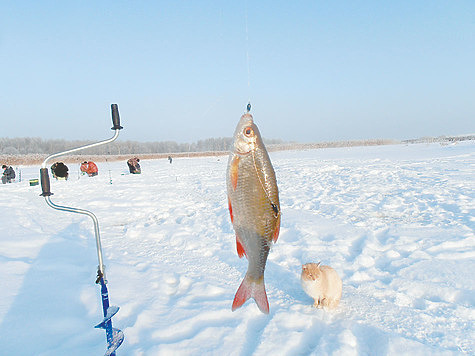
319	70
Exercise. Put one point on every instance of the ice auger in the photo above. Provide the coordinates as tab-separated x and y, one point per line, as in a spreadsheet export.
114	336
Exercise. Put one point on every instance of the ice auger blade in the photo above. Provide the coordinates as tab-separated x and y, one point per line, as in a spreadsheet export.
111	311
117	338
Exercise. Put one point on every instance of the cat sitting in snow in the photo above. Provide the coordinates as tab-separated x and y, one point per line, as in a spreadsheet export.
322	283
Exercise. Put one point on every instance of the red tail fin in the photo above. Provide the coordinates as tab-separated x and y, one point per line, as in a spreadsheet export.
252	288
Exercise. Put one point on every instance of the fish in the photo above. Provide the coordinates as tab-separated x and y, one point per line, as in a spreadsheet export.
254	207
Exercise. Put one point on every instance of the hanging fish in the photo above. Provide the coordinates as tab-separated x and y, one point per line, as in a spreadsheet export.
253	200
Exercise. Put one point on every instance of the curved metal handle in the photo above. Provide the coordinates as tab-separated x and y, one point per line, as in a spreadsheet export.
45	182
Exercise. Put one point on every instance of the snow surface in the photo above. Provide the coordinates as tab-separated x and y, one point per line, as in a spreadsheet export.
396	222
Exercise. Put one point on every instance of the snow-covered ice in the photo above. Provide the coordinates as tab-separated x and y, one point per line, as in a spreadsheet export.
396	223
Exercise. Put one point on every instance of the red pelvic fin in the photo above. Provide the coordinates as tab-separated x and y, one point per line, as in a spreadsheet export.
230	210
240	248
250	288
275	236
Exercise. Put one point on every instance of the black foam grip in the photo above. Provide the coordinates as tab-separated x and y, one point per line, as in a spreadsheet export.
45	185
115	117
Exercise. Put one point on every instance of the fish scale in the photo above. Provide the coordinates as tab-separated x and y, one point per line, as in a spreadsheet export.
250	202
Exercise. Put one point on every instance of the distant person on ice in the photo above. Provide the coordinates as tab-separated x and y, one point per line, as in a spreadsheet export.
90	168
134	166
83	167
170	159
8	174
59	170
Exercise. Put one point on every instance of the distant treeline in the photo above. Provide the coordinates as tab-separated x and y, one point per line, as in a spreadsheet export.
13	153
10	147
441	139
36	145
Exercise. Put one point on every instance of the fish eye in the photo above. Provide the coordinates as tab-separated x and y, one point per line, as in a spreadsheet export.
248	131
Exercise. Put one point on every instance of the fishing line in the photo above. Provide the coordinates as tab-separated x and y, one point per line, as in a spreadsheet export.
248	61
211	106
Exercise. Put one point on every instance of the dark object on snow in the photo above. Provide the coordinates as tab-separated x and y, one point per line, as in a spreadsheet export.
134	166
60	170
8	174
170	159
